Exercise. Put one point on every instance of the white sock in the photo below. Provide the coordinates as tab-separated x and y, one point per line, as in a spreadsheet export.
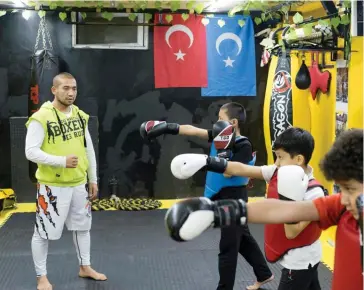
39	252
82	243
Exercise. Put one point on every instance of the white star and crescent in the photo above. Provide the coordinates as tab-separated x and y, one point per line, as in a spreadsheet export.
234	37
181	28
228	62
180	55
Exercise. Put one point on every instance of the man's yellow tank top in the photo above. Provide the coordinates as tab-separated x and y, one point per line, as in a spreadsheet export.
63	136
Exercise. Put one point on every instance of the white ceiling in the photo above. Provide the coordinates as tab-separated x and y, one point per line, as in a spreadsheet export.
15	3
8	2
210	5
222	5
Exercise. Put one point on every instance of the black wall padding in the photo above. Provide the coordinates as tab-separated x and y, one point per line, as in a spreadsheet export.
20	181
123	97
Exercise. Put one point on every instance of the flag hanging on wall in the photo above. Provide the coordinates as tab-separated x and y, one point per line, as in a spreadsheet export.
231	67
180	52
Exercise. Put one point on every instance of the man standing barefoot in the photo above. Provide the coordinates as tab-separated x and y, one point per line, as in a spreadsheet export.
58	140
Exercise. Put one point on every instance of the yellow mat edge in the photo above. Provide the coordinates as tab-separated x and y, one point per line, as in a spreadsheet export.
327	238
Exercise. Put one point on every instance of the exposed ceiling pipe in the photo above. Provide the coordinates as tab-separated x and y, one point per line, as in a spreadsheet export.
84	9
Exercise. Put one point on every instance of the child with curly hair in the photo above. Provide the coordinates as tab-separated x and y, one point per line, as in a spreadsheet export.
344	165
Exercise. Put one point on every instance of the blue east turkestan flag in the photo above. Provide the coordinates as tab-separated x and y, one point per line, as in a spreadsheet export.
230	57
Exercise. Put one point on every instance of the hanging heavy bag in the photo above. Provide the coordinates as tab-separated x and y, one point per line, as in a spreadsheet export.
303	78
44	67
280	107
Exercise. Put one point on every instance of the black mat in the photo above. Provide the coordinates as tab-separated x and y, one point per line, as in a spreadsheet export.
132	249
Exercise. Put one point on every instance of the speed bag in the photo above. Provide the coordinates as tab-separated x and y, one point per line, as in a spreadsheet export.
303	78
280	107
44	67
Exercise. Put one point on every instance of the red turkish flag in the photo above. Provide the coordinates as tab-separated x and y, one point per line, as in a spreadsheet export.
180	57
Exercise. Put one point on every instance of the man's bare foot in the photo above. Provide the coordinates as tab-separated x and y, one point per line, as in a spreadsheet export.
88	272
43	283
257	284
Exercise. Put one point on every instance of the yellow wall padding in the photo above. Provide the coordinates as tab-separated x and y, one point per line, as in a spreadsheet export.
316	116
6	192
355	98
301	105
323	120
313	9
266	108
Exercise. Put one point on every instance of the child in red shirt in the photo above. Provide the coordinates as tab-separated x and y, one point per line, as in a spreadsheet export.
344	164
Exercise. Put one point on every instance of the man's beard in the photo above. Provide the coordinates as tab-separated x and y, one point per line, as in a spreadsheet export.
66	104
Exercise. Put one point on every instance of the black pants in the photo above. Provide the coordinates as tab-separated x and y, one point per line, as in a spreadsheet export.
300	279
236	240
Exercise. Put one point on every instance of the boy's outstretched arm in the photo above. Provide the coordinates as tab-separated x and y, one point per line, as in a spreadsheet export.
188	218
240	169
184	166
189	130
274	211
153	129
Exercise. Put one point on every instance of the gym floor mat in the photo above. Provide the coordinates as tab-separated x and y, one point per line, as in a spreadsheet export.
132	249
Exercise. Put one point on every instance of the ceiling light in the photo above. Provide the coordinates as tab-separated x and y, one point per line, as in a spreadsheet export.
222	5
18	3
26	14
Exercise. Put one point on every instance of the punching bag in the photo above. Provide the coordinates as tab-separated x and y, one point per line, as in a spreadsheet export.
44	67
280	108
303	78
